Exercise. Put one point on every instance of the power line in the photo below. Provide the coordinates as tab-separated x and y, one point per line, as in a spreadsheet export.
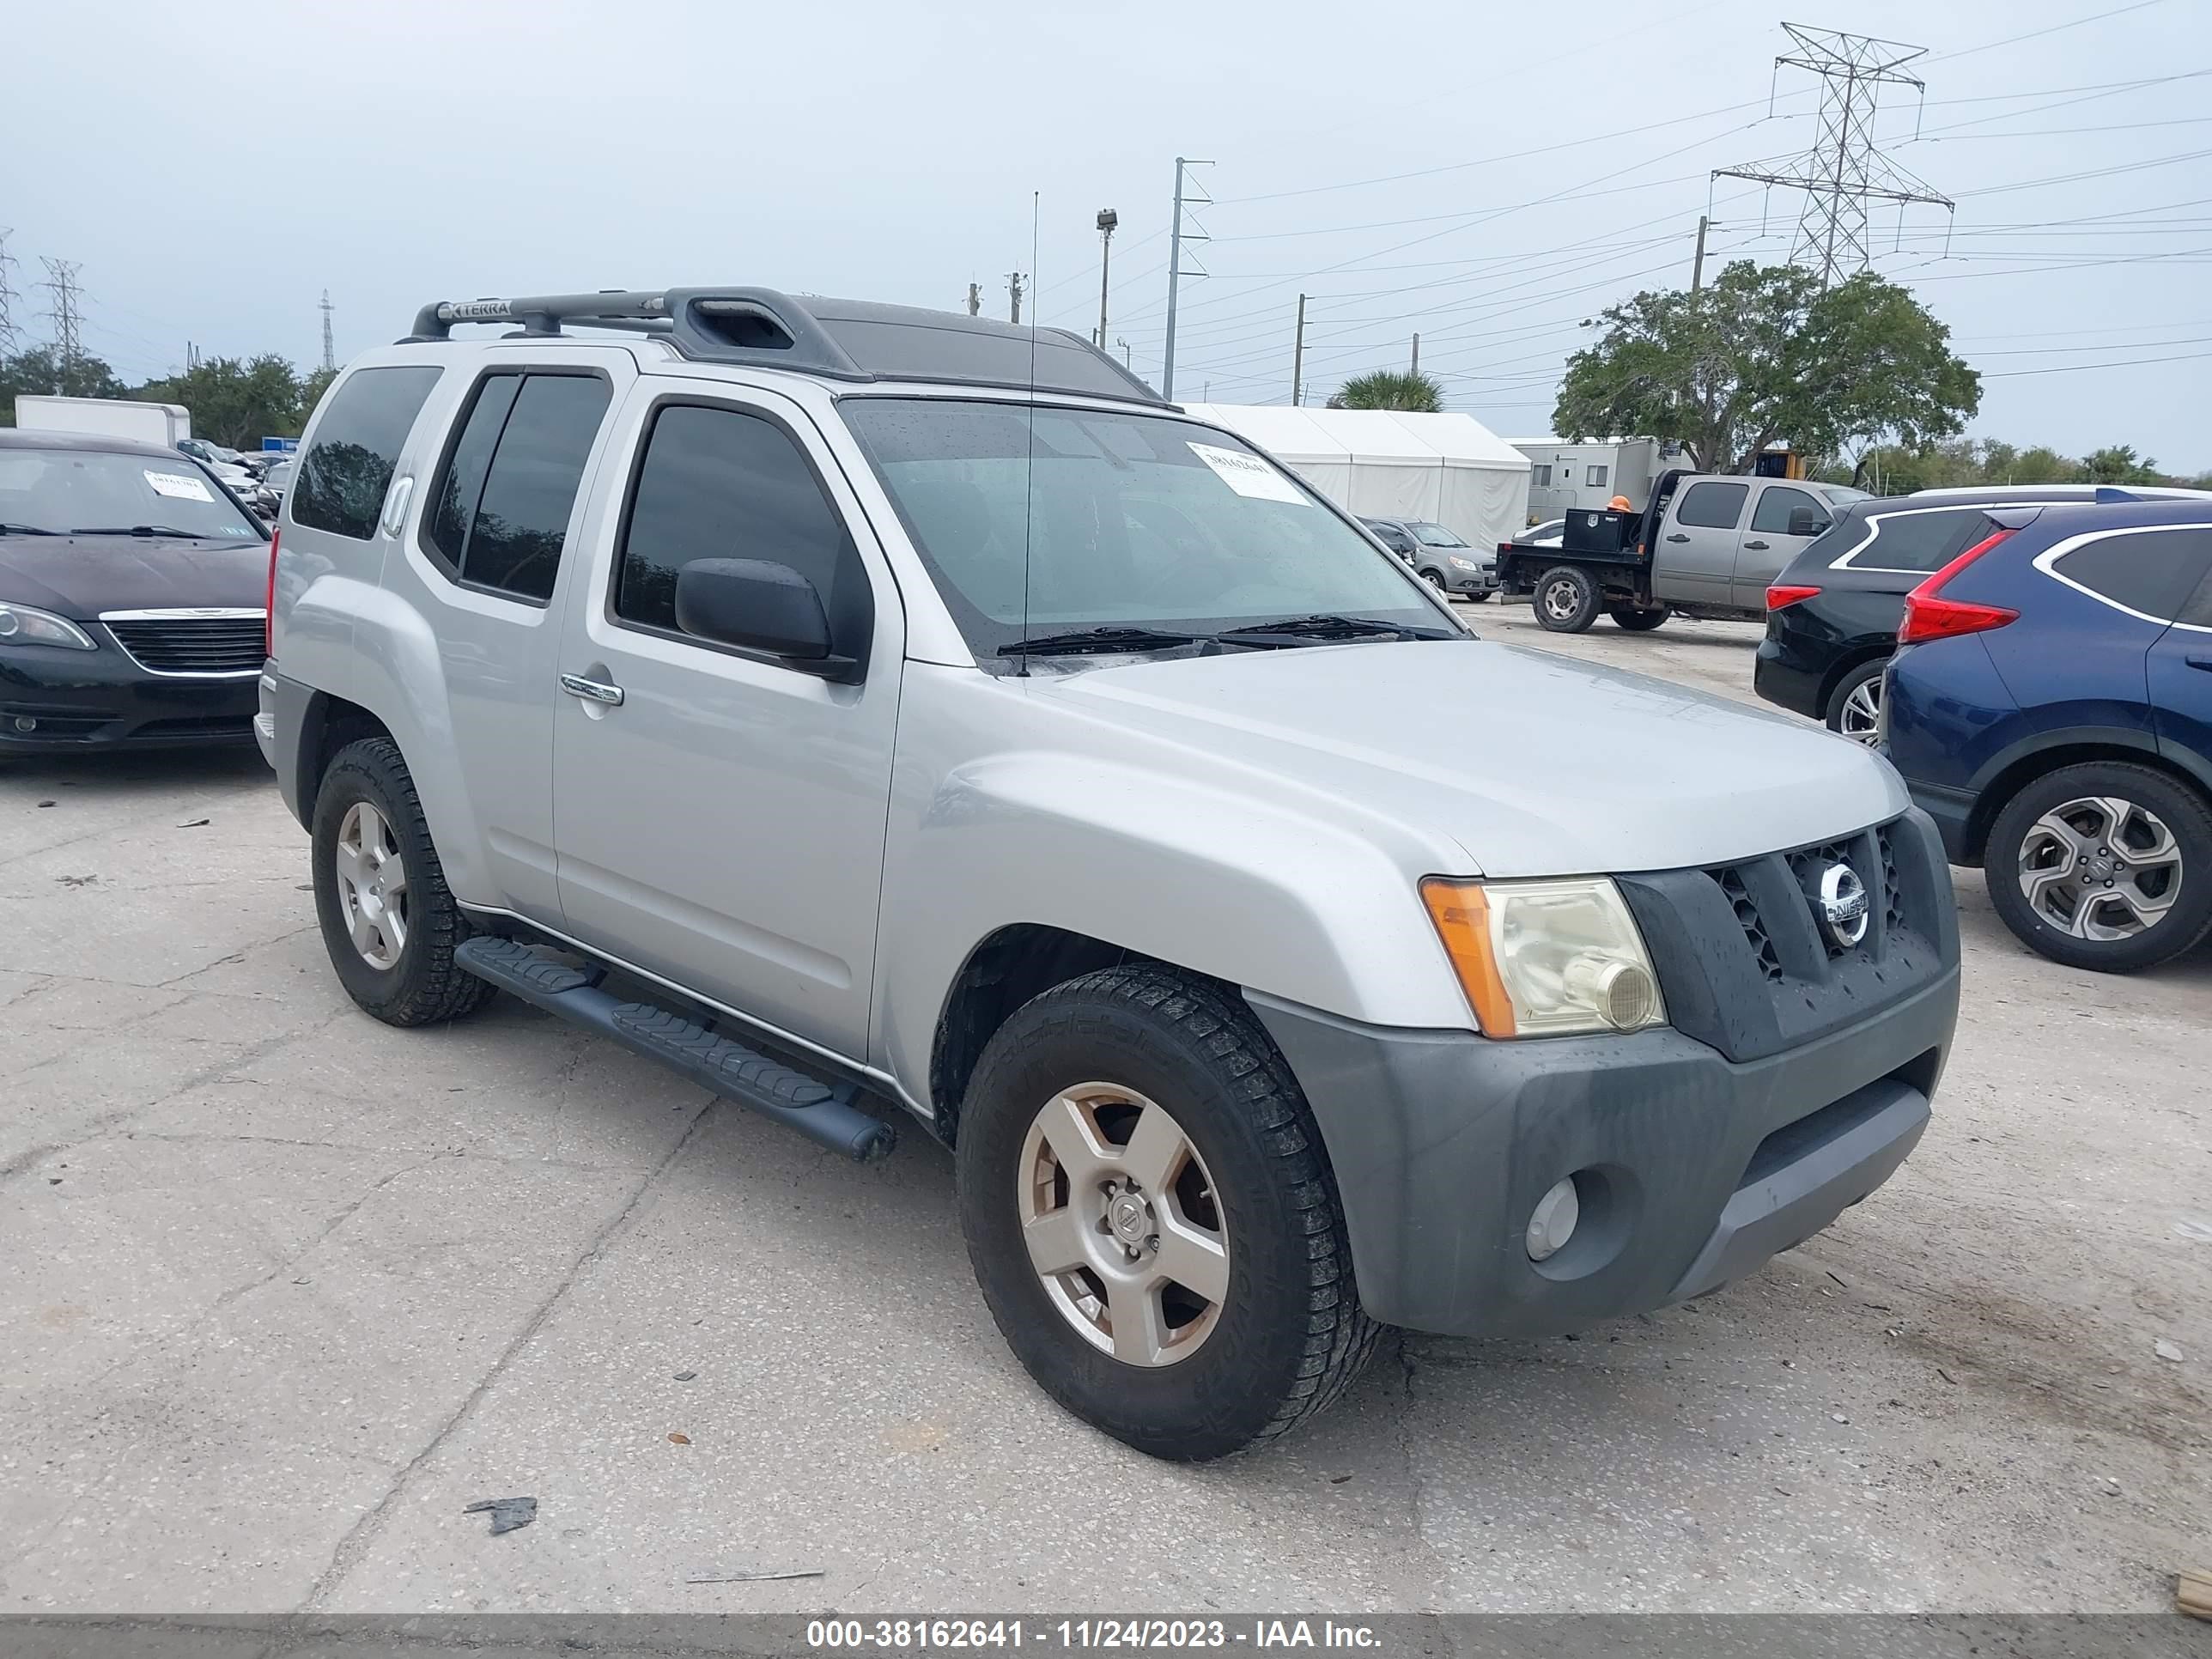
61	283
2083	368
2036	35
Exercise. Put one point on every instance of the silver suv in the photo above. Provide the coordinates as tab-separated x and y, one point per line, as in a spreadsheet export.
882	715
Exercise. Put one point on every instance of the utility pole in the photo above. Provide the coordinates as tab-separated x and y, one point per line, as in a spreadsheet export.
1127	361
61	283
6	296
975	299
1107	220
1299	357
1014	291
330	356
1697	270
1176	237
1415	368
1844	171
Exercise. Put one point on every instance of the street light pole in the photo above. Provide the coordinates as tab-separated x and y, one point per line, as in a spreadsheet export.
1107	220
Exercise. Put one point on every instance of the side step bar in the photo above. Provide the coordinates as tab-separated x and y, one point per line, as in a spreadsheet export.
817	1111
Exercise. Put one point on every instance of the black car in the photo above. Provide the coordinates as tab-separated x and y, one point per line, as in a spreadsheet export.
1833	614
132	596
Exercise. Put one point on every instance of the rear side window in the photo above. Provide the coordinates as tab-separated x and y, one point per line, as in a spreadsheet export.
343	476
501	511
2153	573
718	483
1772	515
1919	541
1712	505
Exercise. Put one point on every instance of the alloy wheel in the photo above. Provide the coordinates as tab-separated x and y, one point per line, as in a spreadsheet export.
1122	1224
1860	718
2101	867
371	885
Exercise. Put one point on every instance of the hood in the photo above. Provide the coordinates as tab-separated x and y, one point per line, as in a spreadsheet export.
80	576
1534	764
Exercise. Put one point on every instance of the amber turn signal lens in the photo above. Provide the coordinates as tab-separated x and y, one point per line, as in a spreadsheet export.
1460	911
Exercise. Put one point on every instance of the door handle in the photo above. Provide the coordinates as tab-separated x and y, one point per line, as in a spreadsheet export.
592	690
1678	537
1756	547
2205	663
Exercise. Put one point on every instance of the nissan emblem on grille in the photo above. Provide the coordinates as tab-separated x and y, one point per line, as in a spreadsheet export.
1842	905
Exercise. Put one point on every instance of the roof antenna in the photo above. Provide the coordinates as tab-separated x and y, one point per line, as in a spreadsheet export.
1028	469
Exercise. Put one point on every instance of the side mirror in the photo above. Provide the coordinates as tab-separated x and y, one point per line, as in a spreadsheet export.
1804	521
754	604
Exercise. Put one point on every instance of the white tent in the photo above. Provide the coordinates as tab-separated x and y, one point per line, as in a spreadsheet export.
1387	464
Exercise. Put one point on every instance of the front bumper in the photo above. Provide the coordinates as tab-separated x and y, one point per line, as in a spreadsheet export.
77	701
1480	581
1692	1170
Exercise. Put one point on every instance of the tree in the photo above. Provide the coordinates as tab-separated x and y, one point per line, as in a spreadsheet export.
2115	464
311	393
41	371
1765	356
1389	389
234	403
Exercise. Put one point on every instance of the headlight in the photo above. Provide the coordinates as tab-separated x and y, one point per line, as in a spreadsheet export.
1546	958
21	625
1458	563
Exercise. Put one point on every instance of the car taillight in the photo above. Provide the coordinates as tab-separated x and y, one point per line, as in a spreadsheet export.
1929	616
1781	594
269	602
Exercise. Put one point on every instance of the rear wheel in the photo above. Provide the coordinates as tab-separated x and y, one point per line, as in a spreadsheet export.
1854	705
389	922
1566	599
1151	1219
1637	619
2105	865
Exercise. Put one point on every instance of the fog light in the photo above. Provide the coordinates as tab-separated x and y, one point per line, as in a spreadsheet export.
1552	1223
25	723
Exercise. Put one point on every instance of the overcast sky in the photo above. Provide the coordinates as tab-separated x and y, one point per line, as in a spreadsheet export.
213	168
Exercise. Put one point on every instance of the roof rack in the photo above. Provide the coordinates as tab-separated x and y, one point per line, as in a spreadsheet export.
840	339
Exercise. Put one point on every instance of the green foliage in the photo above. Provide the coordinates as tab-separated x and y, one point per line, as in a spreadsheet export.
1391	389
1991	461
1765	356
2115	464
233	403
40	371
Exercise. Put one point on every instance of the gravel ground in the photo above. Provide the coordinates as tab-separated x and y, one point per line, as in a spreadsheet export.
282	1291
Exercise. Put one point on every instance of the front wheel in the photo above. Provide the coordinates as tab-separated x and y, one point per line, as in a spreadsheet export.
1434	579
1566	599
1151	1218
389	922
2104	865
1638	619
1482	596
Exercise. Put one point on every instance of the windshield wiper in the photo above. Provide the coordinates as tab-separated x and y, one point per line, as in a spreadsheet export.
1100	640
143	530
26	530
1328	626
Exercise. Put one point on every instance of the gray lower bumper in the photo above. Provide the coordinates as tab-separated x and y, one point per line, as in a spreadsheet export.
1692	1170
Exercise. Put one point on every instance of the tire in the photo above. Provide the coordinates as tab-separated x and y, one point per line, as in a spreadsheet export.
1482	597
1566	599
2072	813
1637	620
421	984
1435	579
1854	710
1286	1334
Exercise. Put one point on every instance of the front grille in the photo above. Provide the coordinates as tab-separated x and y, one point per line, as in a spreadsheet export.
1746	917
1892	893
1808	864
192	645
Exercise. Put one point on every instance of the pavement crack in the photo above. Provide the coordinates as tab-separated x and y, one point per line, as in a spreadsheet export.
355	1546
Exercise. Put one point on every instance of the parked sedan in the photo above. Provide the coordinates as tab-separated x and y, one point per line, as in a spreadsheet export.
132	589
1442	559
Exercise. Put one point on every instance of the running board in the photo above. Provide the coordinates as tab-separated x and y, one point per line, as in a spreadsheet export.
821	1112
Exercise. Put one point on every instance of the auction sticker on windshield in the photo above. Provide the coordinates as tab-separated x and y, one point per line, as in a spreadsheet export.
1248	475
179	487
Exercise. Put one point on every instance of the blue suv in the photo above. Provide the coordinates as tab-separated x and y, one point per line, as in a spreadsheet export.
2051	706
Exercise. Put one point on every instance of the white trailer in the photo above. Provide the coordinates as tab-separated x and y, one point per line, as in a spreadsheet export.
166	424
1565	476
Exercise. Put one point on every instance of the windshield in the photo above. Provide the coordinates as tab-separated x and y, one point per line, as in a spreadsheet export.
1434	535
1129	520
58	491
